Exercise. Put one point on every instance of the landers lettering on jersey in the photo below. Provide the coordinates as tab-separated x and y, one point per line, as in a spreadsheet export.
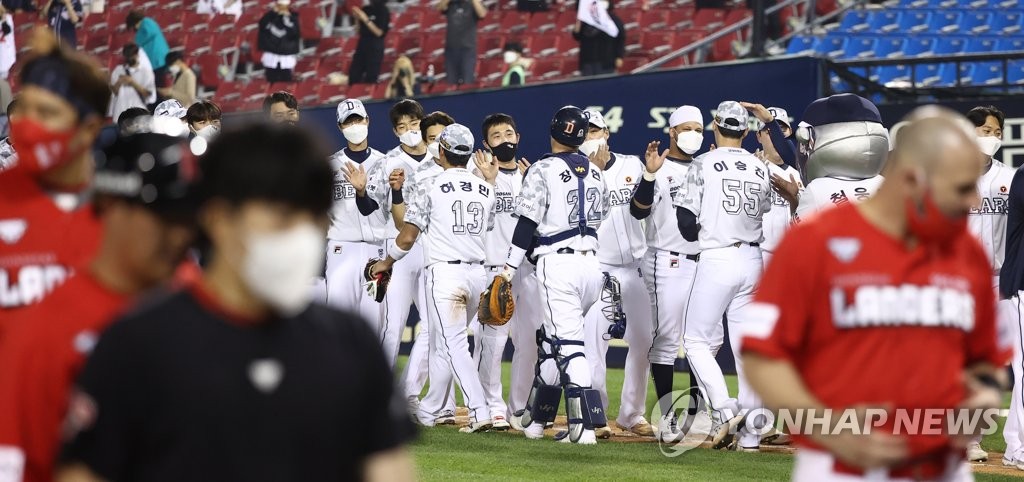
991	205
620	197
33	283
343	190
905	305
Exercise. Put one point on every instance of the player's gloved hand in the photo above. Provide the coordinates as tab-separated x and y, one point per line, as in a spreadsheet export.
377	275
496	302
654	161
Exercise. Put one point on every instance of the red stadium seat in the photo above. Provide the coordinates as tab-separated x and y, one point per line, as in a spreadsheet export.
308	92
176	40
25	20
330	46
309	28
334	64
721	49
491	69
630	17
306	67
408	22
197	45
542	22
208	65
681	18
95	45
230	90
654	19
544	45
169	20
196	22
569	47
380	91
490	45
544	69
409	45
333	94
222	23
225	43
360	91
433	46
709	18
514	22
630	63
736	15
655	44
256	89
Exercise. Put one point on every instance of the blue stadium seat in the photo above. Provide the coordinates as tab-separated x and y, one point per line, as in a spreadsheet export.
893	73
935	75
1007	22
919	46
831	46
972	3
1010	44
914	21
981	45
943	22
802	44
967	72
950	45
890	47
1015	72
886	21
860	47
982	73
1010	4
855	21
927	3
976	22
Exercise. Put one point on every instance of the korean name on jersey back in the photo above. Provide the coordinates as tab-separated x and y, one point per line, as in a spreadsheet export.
29	283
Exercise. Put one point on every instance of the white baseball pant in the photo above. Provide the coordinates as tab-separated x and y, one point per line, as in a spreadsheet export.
344	277
766	256
725	283
669	277
405	288
489	345
453	293
1013	431
569	285
415	375
639	335
524	325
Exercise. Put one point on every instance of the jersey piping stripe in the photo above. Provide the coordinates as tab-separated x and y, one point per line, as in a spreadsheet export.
440	330
656	311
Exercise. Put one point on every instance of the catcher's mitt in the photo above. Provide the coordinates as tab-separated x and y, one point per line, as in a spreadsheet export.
496	302
376	286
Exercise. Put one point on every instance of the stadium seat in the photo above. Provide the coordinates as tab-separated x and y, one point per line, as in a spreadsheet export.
802	44
360	91
514	22
542	22
914	21
893	73
1007	22
545	69
709	18
544	45
945	22
981	73
976	22
195	22
886	21
95	45
332	94
433	46
409	21
860	47
889	47
831	46
950	45
308	92
306	68
935	75
630	17
737	15
681	18
491	69
197	45
222	23
330	46
1015	72
856	21
224	44
655	44
1011	4
176	40
208	64
309	23
981	45
654	19
566	20
919	46
1010	44
972	4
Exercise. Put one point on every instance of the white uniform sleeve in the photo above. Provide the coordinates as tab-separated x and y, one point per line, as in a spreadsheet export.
377	185
533	199
693	193
606	199
418	212
493	211
806	203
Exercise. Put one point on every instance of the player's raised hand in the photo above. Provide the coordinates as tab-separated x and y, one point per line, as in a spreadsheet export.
601	156
356	176
654	161
523	165
487	165
396	179
759	111
788	189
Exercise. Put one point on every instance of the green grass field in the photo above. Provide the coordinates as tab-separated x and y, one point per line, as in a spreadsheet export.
442	453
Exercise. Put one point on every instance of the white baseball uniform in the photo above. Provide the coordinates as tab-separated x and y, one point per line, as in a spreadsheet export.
825	192
352	240
729	192
528	318
406	285
620	253
778	220
489	342
454	211
568	210
988	221
669	263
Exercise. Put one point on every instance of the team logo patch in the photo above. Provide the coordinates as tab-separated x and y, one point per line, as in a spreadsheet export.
844	249
1002	189
673	263
266	374
337	250
629	179
11	230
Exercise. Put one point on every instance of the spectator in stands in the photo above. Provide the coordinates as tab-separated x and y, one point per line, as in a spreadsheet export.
133	85
18	6
63	17
149	38
279	41
204	119
517	65
183	80
600	53
220	7
460	43
132	120
532	5
8	54
281	107
374	21
403	84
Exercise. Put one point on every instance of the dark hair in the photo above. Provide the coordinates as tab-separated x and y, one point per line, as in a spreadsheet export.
980	114
497	119
280	96
730	133
172	57
276	163
133	18
406	107
129	115
513	47
436	118
130	49
11	105
457	160
85	78
203	110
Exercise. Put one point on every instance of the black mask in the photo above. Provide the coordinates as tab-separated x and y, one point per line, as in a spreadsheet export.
505	152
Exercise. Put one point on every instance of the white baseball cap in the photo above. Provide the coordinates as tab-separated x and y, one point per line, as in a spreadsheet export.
780	115
456	139
595	118
731	116
686	113
350	107
170	108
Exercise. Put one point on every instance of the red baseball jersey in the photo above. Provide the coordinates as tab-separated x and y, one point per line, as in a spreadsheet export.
41	355
43	238
867	321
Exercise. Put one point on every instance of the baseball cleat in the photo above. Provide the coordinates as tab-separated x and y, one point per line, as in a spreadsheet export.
668	432
516	420
776	437
603	433
642	428
447	417
588	437
975	453
723	433
498	423
1013	463
481	426
534	432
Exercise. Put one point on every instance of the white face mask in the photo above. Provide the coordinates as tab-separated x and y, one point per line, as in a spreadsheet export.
989	145
356	133
208	132
689	141
174	69
278	266
411	138
433	149
510	57
590	146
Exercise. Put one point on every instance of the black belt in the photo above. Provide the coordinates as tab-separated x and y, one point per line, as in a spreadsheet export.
572	251
464	262
691	257
737	244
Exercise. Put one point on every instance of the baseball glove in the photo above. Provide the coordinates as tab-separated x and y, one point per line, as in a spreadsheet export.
376	286
496	302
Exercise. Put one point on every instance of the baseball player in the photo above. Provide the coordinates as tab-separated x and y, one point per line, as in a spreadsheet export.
405	287
562	204
777	220
499	169
620	253
726	198
353	238
894	312
670	261
6	149
453	210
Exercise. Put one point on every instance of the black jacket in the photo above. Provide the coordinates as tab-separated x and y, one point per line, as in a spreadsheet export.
598	47
279	34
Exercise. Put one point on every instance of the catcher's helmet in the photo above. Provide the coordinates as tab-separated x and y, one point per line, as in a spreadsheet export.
569	126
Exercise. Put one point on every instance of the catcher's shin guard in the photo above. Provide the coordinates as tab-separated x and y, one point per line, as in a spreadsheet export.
584	410
611	294
542	404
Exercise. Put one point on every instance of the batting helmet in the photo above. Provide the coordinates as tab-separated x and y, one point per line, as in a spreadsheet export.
569	126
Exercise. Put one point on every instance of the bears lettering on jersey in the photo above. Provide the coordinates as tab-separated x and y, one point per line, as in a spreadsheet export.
505	202
343	190
29	283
